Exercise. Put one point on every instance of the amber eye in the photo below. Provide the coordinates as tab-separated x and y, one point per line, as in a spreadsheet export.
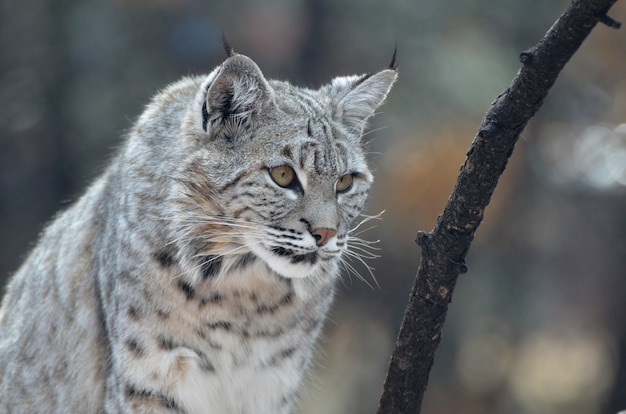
344	183
284	176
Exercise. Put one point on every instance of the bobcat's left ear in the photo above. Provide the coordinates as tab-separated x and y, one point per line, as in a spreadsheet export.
357	97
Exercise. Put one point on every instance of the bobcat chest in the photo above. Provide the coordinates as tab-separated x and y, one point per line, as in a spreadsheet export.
264	381
253	337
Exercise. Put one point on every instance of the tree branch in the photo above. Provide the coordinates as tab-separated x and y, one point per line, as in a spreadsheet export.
445	247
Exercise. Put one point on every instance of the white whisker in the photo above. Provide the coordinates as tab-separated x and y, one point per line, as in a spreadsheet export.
365	254
372	131
345	262
366	218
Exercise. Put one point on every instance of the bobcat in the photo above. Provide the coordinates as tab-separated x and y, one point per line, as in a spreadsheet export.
195	274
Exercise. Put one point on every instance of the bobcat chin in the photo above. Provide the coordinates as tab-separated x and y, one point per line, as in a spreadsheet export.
194	275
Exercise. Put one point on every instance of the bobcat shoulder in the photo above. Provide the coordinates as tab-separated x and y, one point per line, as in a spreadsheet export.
195	274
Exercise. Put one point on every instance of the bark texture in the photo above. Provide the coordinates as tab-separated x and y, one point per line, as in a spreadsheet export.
444	248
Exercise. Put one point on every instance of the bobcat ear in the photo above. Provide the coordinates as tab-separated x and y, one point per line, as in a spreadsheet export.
237	89
357	97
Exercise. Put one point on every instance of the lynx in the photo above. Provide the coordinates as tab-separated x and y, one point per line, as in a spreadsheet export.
195	273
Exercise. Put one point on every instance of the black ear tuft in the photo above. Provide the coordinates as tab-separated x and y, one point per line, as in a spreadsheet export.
230	52
393	65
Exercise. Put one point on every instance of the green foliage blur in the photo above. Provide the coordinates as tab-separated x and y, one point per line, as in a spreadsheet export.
537	325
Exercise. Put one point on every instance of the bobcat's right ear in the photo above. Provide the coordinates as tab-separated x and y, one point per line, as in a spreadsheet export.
357	97
237	90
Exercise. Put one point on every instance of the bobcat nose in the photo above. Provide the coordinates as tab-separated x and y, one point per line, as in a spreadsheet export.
322	235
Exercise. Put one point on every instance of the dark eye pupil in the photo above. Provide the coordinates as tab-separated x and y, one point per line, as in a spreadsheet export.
344	183
284	176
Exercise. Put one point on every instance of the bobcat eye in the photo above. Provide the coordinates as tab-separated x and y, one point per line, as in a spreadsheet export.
284	176
344	183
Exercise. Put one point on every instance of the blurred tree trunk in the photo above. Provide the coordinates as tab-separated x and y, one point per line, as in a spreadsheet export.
445	247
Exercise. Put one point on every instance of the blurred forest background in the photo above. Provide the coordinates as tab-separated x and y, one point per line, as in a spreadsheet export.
537	325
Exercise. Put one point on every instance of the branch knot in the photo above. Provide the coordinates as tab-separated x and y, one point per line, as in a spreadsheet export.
526	56
487	130
608	21
422	239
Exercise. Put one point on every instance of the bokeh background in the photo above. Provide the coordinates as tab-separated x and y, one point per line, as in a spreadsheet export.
537	325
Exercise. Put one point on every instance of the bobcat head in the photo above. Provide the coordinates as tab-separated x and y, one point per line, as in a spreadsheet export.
277	172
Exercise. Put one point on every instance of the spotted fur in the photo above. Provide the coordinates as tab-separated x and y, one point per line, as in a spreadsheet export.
186	280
